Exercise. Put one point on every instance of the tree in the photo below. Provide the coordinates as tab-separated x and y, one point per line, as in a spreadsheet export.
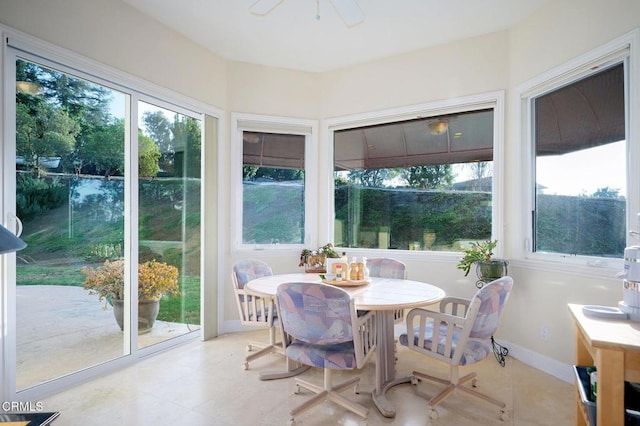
102	150
43	130
70	106
158	128
85	101
481	169
428	177
374	178
606	192
187	143
148	156
273	173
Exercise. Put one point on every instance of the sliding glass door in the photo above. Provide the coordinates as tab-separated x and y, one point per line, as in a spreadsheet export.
107	193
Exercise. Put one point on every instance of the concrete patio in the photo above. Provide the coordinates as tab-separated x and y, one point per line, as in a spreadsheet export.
62	329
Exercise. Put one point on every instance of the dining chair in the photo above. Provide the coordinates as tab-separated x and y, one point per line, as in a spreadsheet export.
384	267
255	311
460	334
320	328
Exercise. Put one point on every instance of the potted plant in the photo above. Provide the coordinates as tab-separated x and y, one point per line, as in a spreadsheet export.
481	254
155	279
315	260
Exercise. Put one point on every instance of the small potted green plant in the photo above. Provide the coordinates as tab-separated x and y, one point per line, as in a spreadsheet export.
481	254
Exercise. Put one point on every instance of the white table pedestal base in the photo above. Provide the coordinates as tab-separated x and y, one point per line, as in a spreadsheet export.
386	364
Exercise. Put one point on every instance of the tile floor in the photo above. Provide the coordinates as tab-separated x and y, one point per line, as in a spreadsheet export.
203	383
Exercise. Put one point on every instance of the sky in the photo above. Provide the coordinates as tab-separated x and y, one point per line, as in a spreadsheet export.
584	172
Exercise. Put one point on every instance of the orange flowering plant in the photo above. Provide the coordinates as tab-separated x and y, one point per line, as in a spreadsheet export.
154	280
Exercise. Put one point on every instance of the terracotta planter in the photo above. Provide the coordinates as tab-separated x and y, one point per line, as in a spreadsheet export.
147	314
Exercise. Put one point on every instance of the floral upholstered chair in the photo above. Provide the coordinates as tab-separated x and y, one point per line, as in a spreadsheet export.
255	311
320	328
388	268
460	334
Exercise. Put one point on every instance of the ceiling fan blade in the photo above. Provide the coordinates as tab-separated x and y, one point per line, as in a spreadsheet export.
349	11
262	7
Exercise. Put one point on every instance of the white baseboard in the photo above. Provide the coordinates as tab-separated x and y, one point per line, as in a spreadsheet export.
233	326
543	363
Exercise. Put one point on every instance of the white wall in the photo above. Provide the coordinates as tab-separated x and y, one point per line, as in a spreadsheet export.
118	35
560	31
462	68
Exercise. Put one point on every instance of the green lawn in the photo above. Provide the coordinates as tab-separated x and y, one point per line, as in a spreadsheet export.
34	274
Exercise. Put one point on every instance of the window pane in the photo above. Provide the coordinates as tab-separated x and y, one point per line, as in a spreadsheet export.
415	185
273	188
168	222
580	165
70	145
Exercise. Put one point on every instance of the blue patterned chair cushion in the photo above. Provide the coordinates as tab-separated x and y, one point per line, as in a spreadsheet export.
249	269
492	301
475	350
318	319
316	314
385	268
338	356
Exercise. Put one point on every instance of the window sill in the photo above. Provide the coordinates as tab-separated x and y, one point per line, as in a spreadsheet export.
607	269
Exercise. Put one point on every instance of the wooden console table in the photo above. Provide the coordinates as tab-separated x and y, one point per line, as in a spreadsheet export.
613	346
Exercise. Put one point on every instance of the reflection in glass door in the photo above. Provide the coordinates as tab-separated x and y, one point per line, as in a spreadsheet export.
169	147
70	196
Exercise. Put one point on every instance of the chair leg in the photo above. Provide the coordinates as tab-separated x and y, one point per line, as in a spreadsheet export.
329	392
484	397
271	347
312	402
349	404
432	378
442	395
457	384
309	386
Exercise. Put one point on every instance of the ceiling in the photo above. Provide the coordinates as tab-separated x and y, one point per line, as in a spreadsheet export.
291	37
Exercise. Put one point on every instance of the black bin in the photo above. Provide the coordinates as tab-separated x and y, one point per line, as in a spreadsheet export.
584	389
632	404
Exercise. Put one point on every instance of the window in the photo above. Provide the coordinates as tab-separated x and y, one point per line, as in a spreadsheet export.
274	159
580	174
579	122
419	183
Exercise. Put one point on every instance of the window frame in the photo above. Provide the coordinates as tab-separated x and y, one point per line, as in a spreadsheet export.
488	100
241	122
626	50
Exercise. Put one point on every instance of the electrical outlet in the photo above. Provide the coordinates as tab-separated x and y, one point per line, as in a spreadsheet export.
544	333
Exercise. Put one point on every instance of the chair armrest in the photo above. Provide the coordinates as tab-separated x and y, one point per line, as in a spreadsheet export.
432	333
255	310
455	306
438	317
365	336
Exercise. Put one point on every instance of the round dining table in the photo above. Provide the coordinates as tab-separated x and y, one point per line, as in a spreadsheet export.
382	295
